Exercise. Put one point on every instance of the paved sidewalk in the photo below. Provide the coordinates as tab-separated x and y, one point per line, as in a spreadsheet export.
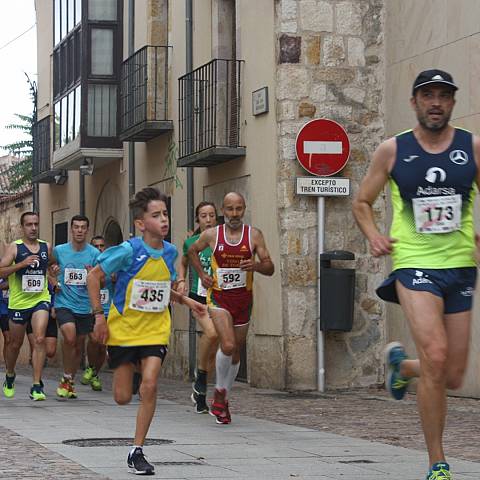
195	447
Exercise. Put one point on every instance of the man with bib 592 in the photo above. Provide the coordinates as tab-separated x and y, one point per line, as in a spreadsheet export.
432	171
230	298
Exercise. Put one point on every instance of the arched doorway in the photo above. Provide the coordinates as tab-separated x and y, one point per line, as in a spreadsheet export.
113	233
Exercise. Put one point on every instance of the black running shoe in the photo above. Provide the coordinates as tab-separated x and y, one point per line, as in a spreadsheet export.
138	464
200	402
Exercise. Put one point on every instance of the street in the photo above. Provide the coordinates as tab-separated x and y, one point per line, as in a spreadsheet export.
59	439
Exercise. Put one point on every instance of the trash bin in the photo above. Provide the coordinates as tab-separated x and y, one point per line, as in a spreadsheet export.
337	292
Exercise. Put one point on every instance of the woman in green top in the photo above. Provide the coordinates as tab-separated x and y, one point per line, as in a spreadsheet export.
206	217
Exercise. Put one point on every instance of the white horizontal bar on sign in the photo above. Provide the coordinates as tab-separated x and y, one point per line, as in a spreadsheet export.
322	147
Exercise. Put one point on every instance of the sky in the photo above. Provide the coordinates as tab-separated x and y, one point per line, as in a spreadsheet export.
18	57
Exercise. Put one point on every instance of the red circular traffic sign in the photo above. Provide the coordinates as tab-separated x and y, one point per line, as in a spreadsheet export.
322	147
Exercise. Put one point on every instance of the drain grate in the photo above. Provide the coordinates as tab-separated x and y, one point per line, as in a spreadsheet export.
113	442
357	461
174	464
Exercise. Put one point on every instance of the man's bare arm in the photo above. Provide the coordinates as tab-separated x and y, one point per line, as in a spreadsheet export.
7	267
95	279
264	265
371	186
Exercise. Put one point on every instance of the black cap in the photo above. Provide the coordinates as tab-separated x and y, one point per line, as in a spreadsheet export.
433	76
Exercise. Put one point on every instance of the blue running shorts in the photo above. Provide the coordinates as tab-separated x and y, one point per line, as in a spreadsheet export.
455	285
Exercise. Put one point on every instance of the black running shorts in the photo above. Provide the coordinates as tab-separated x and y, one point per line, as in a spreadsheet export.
121	355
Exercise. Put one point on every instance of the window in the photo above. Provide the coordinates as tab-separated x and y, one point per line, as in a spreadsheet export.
57	32
67	14
67	118
102	51
102	110
102	10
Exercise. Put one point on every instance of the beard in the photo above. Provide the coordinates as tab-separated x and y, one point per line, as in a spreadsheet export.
433	126
234	224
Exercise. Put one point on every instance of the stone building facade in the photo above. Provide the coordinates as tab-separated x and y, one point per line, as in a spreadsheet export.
351	61
331	64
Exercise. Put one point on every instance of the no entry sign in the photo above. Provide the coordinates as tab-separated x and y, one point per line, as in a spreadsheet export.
322	147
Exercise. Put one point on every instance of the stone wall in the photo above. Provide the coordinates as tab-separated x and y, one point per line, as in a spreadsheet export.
330	64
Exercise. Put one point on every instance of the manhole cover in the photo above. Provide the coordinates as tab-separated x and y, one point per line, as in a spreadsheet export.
177	463
357	461
112	442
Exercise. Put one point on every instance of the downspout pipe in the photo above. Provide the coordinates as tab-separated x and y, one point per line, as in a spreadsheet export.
192	330
131	145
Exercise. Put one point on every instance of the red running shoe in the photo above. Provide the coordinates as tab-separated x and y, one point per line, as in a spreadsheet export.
219	408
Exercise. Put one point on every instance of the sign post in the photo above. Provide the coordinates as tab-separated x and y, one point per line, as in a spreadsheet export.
322	148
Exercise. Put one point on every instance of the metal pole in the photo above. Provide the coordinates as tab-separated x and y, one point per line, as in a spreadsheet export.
131	145
320	334
192	330
82	193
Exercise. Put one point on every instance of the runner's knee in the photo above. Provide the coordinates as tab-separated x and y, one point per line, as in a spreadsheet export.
70	342
455	378
121	397
148	388
228	347
39	340
435	363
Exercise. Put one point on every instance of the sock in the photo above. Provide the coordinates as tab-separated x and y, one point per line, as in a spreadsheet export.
10	375
232	375
67	376
223	363
134	447
202	377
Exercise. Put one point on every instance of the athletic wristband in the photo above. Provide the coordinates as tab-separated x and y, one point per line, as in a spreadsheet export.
98	311
180	280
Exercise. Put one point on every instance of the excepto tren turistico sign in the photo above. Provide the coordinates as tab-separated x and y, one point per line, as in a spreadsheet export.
322	186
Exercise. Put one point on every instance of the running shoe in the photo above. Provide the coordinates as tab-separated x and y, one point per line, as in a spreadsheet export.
71	390
37	393
9	386
396	384
96	384
200	384
218	402
200	402
137	463
439	471
219	408
66	389
225	418
87	376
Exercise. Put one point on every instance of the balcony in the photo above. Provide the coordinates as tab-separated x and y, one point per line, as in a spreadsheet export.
144	95
41	167
209	114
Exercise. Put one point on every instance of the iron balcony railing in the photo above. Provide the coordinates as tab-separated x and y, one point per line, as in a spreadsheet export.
41	147
209	107
144	87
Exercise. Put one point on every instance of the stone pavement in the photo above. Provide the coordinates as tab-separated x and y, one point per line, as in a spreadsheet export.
253	446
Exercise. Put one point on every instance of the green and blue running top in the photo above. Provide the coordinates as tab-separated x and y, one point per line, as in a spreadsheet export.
432	200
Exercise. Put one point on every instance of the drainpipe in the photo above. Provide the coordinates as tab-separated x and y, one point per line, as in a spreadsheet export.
82	193
131	145
192	330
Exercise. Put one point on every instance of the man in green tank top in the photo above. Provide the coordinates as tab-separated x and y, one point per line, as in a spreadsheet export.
433	174
25	264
